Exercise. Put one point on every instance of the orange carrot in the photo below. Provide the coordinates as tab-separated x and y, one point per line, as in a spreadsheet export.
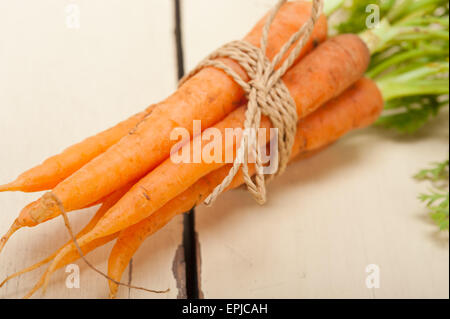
357	107
57	168
208	96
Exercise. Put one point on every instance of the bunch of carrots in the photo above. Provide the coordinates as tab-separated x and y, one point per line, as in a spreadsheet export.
127	168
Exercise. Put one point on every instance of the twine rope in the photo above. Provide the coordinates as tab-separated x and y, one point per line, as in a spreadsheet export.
267	95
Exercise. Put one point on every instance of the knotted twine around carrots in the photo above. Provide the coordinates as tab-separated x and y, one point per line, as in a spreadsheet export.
266	94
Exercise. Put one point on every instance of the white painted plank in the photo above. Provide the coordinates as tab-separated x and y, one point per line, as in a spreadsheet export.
59	85
328	217
209	24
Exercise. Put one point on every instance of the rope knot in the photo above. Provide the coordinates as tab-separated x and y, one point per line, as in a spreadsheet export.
267	95
259	86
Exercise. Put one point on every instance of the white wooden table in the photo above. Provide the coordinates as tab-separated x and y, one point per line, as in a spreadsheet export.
331	216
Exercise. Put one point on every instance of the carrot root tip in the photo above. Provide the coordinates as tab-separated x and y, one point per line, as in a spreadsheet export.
26	270
30	293
8	187
14	227
5	281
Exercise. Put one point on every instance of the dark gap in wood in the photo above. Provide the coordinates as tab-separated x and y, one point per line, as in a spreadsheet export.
189	244
130	276
179	39
190	255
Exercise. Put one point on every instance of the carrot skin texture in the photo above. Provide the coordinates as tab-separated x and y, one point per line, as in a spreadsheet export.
208	96
26	219
170	179
358	107
57	168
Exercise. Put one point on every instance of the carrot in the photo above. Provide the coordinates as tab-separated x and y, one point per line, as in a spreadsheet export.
208	96
358	107
350	60
57	168
31	268
73	256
